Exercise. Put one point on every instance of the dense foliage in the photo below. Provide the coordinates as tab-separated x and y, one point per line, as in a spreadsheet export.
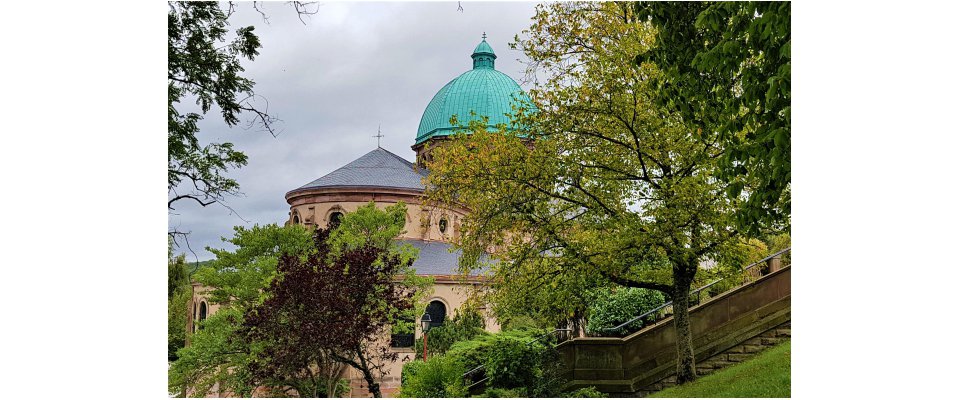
337	302
260	338
466	324
518	363
235	281
726	68
604	184
178	300
202	64
612	307
438	377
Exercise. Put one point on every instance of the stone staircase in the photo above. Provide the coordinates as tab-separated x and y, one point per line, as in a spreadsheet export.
731	356
726	329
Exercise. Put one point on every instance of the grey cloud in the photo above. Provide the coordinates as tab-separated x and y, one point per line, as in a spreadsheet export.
332	81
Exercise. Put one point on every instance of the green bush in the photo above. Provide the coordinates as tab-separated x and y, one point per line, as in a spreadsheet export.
614	307
513	360
465	325
438	377
503	393
587	392
511	363
520	323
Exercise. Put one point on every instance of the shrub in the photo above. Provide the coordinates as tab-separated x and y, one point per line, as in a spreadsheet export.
515	366
465	325
503	393
472	353
520	323
614	307
587	392
438	377
511	363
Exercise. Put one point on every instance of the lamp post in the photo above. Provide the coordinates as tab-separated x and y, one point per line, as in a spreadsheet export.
425	325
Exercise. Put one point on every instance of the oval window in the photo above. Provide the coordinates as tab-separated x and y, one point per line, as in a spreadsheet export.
443	225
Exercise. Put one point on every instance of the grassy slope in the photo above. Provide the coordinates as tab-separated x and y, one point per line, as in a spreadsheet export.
765	375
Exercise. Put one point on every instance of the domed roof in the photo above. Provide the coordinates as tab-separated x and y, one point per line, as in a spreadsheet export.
483	90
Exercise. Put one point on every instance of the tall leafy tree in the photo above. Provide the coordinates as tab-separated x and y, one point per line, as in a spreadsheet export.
603	185
203	64
725	67
241	349
178	299
339	302
235	280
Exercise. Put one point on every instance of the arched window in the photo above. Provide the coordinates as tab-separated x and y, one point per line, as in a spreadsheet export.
335	218
296	218
438	312
203	311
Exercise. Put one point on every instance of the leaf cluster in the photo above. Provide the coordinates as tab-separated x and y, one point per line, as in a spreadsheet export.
726	67
466	324
613	306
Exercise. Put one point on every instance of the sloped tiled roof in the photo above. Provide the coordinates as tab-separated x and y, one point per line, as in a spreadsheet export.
436	258
378	168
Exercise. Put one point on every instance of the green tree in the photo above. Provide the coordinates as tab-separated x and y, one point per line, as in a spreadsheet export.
202	63
337	303
602	185
223	353
178	300
235	281
725	67
204	66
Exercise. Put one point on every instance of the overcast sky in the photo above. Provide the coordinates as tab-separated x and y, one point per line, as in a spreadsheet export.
331	82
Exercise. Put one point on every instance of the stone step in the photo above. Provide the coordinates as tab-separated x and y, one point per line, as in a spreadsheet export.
738	357
773	341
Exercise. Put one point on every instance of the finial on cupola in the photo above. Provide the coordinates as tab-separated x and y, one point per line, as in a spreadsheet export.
483	55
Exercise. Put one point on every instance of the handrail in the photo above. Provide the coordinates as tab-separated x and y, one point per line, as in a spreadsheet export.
697	291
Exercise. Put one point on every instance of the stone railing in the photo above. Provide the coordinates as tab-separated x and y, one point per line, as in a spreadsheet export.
629	366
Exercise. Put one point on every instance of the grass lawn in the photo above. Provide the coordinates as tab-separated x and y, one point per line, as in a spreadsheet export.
765	375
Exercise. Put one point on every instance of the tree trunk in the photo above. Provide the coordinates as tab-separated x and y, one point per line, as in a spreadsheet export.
368	376
686	369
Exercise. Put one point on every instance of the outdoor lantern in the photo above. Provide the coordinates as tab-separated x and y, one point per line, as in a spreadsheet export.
425	324
425	321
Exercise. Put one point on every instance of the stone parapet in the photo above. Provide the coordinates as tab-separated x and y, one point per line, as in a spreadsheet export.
644	361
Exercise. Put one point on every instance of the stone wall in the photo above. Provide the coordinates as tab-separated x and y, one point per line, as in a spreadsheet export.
638	362
731	356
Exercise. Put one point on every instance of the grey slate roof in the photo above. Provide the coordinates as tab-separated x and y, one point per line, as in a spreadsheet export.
378	168
435	258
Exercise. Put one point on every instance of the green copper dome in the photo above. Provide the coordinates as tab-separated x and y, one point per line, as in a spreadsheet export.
483	90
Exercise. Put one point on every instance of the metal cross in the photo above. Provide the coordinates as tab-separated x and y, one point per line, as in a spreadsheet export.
378	135
484	36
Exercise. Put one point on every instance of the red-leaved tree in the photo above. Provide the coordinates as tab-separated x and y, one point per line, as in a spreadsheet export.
331	305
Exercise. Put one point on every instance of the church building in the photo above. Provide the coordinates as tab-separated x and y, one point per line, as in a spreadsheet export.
385	178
